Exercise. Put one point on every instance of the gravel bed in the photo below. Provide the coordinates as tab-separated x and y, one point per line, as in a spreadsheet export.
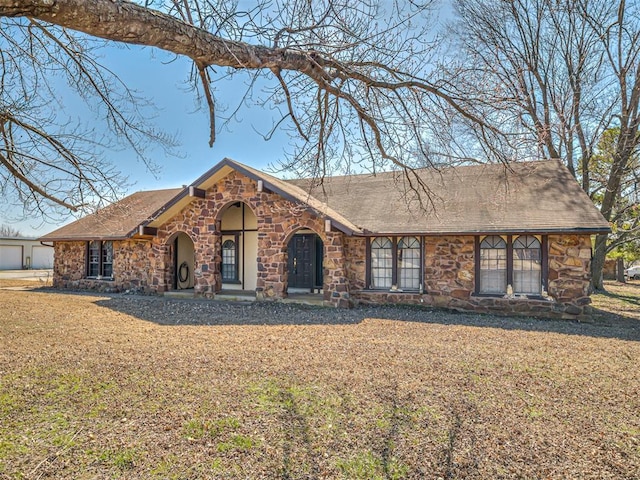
165	311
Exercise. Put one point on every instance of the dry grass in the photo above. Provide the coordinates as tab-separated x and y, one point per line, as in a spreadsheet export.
88	391
619	300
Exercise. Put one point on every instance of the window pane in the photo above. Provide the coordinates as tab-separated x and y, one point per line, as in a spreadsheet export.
409	263
527	268
229	260
493	281
381	263
93	269
493	265
107	259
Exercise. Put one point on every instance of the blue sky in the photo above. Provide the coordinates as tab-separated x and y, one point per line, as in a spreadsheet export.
162	79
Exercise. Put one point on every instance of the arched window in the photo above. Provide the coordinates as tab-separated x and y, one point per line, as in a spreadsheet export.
381	262
527	265
229	266
493	265
409	263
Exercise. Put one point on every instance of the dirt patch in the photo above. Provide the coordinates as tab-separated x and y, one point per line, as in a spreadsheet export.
140	387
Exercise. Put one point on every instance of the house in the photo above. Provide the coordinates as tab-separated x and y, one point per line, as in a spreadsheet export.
18	253
509	239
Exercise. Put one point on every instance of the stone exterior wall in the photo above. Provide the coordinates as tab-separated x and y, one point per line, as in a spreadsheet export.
449	261
570	270
69	263
450	279
278	220
131	267
449	268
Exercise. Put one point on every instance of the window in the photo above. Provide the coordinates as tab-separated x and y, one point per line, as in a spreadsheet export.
229	264
409	263
516	261
100	259
381	263
527	263
395	262
493	265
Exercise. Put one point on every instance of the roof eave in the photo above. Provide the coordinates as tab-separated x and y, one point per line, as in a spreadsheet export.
538	231
83	238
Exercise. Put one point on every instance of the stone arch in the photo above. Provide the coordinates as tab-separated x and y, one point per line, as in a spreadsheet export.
237	223
303	255
182	261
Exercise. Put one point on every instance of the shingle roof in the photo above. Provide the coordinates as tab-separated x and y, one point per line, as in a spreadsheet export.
537	196
533	197
115	221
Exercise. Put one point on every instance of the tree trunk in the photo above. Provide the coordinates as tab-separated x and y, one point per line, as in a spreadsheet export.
597	262
620	270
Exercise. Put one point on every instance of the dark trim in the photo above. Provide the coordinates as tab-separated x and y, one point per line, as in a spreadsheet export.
144	230
510	260
197	192
484	233
545	262
236	266
394	263
423	259
101	263
240	275
174	254
367	275
476	253
231	232
86	258
544	259
88	239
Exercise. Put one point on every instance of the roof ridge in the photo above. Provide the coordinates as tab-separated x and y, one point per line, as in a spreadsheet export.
433	168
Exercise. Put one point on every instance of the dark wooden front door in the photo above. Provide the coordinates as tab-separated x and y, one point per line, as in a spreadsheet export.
302	261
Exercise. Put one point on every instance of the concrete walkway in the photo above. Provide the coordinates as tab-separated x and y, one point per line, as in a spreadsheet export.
31	275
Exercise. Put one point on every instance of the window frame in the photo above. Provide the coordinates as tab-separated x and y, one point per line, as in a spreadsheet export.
102	260
395	264
236	278
495	260
509	239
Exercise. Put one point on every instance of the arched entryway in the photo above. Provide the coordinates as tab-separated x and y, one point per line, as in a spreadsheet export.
239	247
183	254
305	252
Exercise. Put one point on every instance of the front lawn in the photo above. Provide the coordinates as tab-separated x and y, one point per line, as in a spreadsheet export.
91	389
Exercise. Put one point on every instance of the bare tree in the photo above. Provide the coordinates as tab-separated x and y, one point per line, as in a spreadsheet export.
9	231
552	77
350	78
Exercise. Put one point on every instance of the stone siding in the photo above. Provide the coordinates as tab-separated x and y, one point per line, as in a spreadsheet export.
449	261
131	267
449	267
278	220
450	279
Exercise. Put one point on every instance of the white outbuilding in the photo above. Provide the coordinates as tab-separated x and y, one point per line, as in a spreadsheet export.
18	253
